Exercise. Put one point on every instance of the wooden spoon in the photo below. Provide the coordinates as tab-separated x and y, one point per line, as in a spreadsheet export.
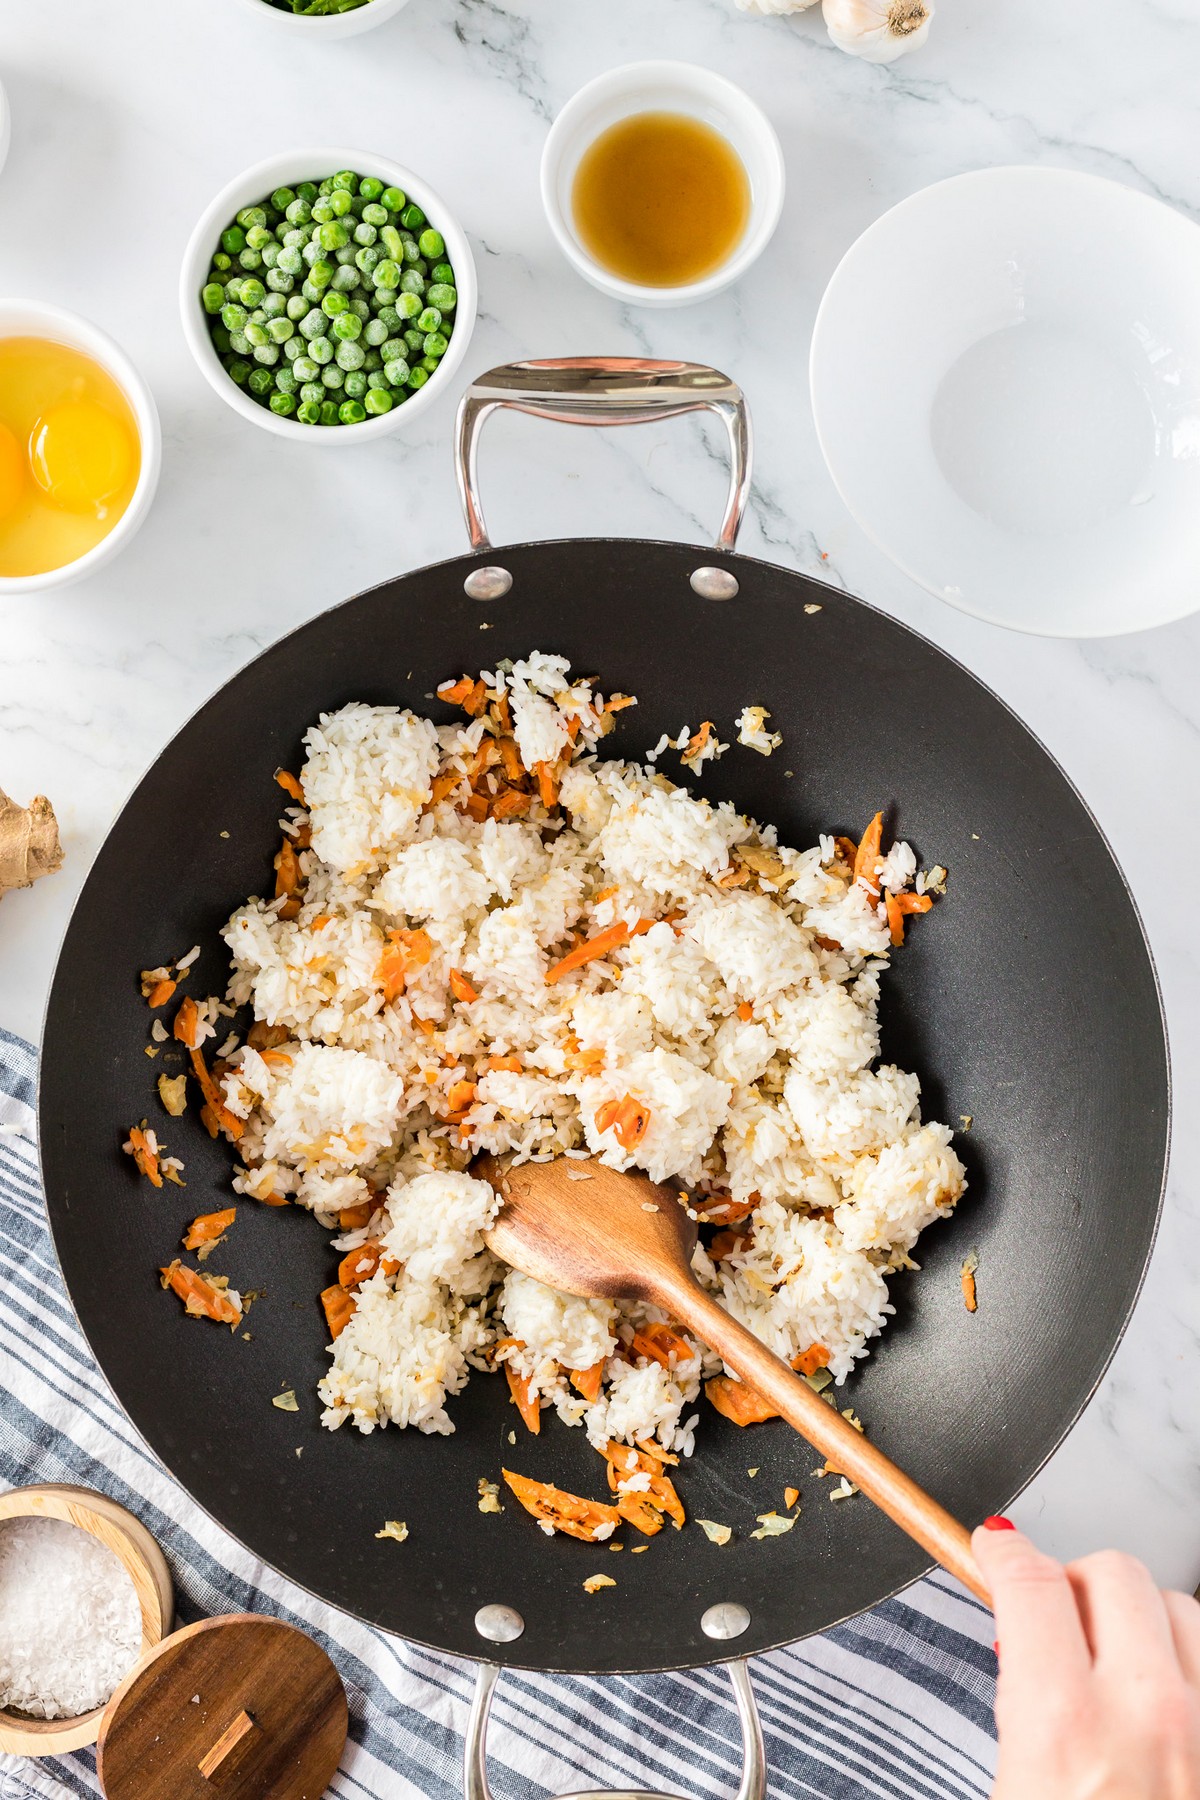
587	1229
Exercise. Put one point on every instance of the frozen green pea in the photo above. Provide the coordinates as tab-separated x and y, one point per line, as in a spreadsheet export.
412	216
307	190
408	306
299	213
345	255
312	390
279	330
267	354
279	283
397	371
334	235
340	202
305	369
329	412
365	235
270	255
333	304
233	316
255	334
412	282
377	402
415	340
283	404
376	379
372	361
346	279
239	343
258	237
442	272
436	343
312	294
310	253
368	258
375	332
347	326
321	273
221	339
261	381
240	370
294	348
442	295
308	412
221	262
394	198
412	254
297	307
332	377
429	320
273	305
375	215
252	292
290	260
322	210
346	181
212	297
392	242
360	307
370	187
417	378
432	243
350	356
313	323
321	350
355	385
250	259
351	412
285	381
387	273
282	198
251	215
233	240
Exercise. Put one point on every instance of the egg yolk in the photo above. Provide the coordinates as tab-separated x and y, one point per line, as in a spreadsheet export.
12	472
81	456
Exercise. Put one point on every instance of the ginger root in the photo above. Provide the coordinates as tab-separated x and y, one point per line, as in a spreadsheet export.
29	844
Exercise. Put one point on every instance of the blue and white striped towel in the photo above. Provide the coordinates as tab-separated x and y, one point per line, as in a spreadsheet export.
896	1705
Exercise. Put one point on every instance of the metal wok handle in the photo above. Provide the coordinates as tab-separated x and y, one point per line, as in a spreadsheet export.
753	1785
603	390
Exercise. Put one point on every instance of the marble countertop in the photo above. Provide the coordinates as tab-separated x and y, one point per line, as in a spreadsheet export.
126	120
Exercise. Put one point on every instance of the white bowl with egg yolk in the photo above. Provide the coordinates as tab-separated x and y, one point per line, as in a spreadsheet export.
36	319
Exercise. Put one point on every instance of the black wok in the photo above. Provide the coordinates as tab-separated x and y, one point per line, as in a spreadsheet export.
1026	999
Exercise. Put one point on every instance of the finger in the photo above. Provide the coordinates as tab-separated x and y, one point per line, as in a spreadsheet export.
1122	1611
1042	1644
1183	1614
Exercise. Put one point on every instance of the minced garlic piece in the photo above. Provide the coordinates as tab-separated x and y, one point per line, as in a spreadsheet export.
394	1528
716	1534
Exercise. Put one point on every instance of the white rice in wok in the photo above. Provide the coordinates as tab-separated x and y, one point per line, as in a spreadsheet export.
749	1041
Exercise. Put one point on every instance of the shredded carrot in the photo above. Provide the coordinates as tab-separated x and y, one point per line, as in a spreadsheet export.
895	919
276	1058
790	1497
738	1402
573	727
461	988
214	1098
569	1513
509	805
722	1209
288	879
588	1380
528	1404
406	951
601	943
428	1026
660	1343
476	807
209	1228
271	1199
847	849
187	1022
725	1243
628	1118
339	1307
547	785
353	1218
441	786
460	1097
970	1298
745	1011
145	1157
476	700
455	692
643	1508
359	1265
260	1036
697	743
202	1299
914	903
814	1358
510	759
320	922
290	785
161	992
493	1064
825	943
503	711
209	1121
866	857
487	754
617	702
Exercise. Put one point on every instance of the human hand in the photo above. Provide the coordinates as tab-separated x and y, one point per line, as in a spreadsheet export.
1099	1690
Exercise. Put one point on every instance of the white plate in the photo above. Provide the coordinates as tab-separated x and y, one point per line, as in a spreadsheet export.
1005	379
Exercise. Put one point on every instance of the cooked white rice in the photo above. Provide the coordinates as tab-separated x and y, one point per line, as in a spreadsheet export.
751	1042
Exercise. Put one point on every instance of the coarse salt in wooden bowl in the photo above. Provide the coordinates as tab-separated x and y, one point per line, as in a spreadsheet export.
135	1549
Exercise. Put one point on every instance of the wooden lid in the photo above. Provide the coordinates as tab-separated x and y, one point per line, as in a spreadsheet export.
238	1708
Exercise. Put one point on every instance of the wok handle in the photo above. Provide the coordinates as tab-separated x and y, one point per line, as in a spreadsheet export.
753	1784
603	390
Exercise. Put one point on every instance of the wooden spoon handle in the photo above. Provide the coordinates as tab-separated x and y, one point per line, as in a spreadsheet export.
894	1492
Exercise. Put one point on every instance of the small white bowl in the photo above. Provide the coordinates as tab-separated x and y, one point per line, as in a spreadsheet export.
663	87
33	318
286	170
1005	379
337	25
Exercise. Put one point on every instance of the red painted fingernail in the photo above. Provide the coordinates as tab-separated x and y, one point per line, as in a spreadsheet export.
996	1650
997	1522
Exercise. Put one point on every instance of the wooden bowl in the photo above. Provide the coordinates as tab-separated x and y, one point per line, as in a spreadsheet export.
146	1565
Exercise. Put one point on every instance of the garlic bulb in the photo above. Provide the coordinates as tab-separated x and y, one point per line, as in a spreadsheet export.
877	30
773	6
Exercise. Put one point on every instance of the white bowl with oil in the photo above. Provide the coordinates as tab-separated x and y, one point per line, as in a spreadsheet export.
663	87
37	319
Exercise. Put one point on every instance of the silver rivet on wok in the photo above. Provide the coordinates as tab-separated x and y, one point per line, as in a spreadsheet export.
499	1624
491	583
727	1619
714	584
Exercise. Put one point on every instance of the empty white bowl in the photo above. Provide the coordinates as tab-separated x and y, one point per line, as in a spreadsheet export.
337	25
663	87
286	170
33	318
1005	378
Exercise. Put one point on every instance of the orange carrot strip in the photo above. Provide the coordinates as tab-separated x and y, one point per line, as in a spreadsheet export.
201	1298
722	1209
601	943
455	692
460	1097
814	1358
914	903
895	919
476	807
660	1343
274	1058
528	1405
406	951
569	1513
187	1021
509	805
461	988
441	786
215	1099
209	1228
510	760
745	1011
353	1218
617	702
339	1307
866	857
970	1298
588	1380
161	992
144	1157
627	1117
726	1242
642	1508
547	785
288	879
511	1064
290	785
738	1402
359	1265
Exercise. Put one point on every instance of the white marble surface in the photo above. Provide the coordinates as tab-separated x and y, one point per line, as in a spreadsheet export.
127	118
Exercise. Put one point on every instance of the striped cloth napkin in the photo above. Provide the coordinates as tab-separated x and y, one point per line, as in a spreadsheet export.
896	1705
